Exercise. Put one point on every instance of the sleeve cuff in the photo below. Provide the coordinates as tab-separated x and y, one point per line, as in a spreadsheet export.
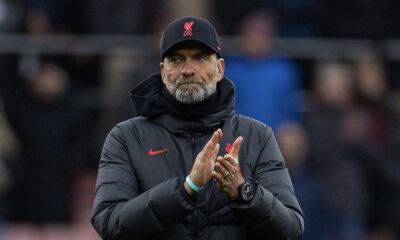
189	198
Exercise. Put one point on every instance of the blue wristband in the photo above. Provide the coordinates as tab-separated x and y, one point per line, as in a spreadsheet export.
193	186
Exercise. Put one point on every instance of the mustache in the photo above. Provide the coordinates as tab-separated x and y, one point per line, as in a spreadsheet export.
188	80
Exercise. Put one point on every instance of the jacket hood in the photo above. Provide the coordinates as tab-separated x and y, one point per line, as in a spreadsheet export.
148	101
146	98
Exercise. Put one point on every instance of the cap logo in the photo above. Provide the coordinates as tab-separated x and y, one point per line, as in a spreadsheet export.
188	29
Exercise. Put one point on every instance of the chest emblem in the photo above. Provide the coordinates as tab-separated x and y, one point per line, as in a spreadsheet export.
228	147
155	152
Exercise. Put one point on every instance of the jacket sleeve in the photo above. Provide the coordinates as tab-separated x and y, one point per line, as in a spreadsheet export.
120	210
274	212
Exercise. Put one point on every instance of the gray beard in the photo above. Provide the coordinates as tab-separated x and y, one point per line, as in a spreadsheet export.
191	94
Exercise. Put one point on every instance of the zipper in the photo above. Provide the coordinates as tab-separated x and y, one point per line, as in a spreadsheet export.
193	141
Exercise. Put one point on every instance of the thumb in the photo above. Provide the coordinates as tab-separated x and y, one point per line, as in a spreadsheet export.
236	147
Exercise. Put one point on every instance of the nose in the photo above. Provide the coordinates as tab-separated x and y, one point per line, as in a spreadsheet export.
188	68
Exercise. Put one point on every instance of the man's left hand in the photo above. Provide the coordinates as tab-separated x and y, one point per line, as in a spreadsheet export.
227	171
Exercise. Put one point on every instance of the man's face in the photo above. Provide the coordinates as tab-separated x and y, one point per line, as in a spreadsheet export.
191	71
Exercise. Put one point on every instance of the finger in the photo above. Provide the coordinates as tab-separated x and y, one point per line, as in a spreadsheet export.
236	146
209	147
220	169
218	177
216	136
233	161
219	158
228	165
215	152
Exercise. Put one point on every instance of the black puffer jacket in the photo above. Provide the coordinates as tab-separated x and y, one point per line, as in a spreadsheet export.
139	190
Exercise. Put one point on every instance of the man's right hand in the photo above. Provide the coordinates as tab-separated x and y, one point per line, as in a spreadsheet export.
203	166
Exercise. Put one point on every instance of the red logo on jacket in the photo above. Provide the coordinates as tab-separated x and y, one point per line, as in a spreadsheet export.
188	29
155	152
228	147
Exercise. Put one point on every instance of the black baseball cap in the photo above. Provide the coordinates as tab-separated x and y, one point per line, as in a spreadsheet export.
189	29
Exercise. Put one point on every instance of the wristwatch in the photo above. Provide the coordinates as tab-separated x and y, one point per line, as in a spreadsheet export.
246	191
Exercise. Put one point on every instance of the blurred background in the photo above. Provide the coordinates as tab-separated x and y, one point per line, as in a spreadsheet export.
324	74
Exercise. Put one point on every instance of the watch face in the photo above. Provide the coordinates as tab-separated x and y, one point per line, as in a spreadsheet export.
247	191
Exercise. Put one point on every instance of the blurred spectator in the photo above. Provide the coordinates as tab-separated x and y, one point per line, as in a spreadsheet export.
380	137
122	73
297	18
36	22
83	77
351	131
82	67
341	170
142	67
52	10
293	142
371	89
229	13
49	131
266	82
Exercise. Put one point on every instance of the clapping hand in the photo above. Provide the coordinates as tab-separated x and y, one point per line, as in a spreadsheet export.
227	171
203	165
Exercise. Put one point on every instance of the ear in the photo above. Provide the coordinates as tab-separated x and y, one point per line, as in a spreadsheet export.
162	71
220	68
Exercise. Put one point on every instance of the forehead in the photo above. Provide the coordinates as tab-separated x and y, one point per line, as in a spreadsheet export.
189	45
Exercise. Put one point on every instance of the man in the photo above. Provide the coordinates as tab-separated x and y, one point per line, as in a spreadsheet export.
164	174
